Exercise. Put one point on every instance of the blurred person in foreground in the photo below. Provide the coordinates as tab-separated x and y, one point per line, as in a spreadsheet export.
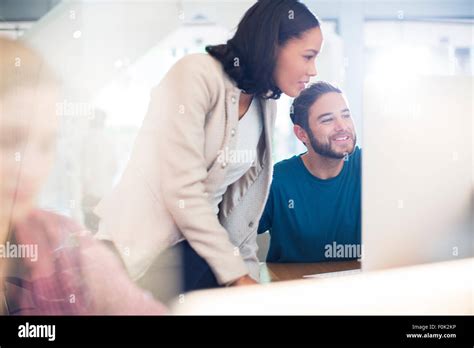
49	265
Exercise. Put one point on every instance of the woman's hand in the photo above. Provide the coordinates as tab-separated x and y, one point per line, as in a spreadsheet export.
112	291
245	280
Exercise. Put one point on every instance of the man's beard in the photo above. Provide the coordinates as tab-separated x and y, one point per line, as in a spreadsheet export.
325	150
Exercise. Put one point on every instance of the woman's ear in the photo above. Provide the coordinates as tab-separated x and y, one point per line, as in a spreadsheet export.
301	134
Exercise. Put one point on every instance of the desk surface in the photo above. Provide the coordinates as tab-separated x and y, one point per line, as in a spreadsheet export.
443	288
273	272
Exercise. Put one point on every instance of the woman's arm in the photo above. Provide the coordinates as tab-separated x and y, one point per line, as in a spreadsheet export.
183	100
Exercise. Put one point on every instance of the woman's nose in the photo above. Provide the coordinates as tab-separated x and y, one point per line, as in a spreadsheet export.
312	71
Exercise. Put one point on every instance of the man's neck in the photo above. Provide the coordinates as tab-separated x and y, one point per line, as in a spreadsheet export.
322	167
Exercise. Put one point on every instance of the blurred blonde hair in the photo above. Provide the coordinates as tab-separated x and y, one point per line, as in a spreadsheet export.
22	67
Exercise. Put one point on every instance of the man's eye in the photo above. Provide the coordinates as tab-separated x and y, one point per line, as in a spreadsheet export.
346	115
326	120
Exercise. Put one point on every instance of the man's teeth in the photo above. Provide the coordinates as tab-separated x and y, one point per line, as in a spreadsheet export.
342	138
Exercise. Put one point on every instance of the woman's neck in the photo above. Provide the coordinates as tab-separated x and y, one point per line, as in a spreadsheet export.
244	103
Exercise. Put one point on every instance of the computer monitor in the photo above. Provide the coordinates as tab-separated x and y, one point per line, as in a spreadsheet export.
417	176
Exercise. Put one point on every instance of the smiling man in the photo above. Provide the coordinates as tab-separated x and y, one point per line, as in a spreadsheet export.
313	210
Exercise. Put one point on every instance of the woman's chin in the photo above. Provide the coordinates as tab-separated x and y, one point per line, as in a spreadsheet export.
292	93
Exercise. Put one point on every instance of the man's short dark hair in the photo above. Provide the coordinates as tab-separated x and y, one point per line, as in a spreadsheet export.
299	113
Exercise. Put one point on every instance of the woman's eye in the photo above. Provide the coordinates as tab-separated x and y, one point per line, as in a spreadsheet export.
308	57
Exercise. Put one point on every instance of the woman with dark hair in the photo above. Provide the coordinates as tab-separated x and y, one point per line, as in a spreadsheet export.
201	167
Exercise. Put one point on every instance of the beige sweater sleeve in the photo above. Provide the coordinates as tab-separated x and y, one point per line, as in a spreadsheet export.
183	99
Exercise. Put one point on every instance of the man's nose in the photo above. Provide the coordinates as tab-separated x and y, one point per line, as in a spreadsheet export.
339	124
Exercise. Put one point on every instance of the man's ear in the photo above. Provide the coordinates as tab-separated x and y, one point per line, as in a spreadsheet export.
301	134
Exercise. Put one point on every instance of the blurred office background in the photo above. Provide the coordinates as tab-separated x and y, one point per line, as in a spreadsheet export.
111	53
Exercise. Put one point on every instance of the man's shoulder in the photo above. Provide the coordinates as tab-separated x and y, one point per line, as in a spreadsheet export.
356	156
354	165
286	168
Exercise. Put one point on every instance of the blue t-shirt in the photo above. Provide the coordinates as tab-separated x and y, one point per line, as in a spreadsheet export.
310	219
